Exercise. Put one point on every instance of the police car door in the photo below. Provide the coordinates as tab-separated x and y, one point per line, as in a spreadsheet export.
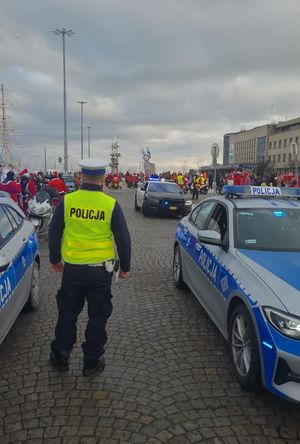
15	260
210	260
140	194
196	222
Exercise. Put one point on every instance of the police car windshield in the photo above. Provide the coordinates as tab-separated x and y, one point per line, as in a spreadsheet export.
270	229
164	187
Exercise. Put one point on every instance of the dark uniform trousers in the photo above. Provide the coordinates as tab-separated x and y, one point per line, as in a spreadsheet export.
80	283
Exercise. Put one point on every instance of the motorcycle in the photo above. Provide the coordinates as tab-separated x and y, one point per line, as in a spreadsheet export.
185	188
203	189
115	183
40	209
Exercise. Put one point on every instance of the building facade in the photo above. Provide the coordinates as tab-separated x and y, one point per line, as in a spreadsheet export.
279	152
269	143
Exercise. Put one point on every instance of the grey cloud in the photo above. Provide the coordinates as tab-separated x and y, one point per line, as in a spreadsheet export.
171	74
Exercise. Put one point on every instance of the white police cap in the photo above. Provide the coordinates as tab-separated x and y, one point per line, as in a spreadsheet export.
93	167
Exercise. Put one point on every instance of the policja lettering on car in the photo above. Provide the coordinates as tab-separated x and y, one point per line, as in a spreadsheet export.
84	213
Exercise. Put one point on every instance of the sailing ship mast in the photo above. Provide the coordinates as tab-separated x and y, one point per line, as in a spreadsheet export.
5	153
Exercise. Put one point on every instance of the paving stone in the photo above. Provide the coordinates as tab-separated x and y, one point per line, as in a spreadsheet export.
168	377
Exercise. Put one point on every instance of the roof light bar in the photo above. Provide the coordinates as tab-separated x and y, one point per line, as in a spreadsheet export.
258	191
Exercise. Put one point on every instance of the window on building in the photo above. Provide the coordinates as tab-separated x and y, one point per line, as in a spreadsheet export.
296	139
290	157
279	143
274	158
284	157
291	140
274	144
278	157
270	145
284	143
269	158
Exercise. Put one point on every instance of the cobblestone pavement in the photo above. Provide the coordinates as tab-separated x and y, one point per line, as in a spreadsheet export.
168	377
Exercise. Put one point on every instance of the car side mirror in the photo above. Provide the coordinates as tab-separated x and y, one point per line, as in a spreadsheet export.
4	263
211	237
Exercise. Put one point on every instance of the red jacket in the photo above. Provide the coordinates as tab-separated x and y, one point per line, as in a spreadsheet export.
12	188
59	185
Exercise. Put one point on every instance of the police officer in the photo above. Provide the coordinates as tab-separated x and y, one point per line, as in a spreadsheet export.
81	245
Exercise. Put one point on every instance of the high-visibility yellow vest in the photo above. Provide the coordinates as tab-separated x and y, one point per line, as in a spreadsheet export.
87	237
180	179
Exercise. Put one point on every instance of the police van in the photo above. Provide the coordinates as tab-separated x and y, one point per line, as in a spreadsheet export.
240	255
19	264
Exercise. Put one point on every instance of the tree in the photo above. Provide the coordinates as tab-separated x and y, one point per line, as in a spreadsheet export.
264	167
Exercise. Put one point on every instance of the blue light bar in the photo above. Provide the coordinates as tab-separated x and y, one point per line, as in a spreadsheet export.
257	191
154	179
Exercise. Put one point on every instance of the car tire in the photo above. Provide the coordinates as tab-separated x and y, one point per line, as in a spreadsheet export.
144	209
177	268
244	348
34	294
136	205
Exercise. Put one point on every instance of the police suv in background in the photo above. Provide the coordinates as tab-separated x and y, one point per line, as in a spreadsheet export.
19	264
240	256
161	197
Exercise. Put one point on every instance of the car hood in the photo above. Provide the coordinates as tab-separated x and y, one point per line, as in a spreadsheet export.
170	196
280	271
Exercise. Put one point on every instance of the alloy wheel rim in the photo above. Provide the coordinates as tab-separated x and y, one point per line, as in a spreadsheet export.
176	267
35	286
241	345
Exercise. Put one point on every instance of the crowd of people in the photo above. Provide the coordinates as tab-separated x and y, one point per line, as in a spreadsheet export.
23	186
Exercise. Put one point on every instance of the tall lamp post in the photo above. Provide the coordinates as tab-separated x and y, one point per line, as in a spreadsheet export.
64	32
294	152
89	141
214	154
81	113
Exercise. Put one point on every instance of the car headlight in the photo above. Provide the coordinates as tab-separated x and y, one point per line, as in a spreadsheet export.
286	323
188	202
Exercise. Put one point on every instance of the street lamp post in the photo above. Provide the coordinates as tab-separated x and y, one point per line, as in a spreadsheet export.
64	32
89	141
214	154
81	113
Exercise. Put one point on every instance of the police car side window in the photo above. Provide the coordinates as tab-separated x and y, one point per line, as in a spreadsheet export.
202	214
6	228
16	216
218	220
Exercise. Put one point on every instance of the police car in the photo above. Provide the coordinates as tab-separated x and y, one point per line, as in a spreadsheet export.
240	256
161	197
68	179
19	264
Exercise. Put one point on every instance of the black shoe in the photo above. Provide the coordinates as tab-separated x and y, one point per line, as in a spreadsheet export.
59	362
95	368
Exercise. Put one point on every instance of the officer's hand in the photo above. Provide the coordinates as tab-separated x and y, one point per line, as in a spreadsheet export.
58	268
123	274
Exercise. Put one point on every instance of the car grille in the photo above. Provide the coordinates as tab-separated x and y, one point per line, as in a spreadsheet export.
169	204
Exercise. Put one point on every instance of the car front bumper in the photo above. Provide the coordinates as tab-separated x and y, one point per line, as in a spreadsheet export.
280	360
169	209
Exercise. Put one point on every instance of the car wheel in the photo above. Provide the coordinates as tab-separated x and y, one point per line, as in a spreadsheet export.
177	268
136	205
34	294
244	348
144	209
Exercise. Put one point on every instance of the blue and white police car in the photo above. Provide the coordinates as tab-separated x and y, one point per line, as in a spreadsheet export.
19	264
240	255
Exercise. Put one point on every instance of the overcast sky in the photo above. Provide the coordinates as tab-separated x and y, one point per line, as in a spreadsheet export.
173	75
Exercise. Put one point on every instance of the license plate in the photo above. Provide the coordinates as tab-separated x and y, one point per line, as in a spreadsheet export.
173	207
